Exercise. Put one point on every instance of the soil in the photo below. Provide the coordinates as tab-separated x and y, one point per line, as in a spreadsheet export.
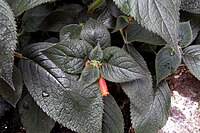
182	83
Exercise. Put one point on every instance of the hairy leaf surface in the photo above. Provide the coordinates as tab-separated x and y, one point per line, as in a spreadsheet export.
112	118
191	6
166	63
60	95
70	56
10	95
186	35
119	66
33	118
191	57
8	40
19	6
95	32
159	16
96	53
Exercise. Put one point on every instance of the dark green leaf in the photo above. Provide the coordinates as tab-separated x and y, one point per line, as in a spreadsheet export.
119	66
61	17
4	106
95	32
185	34
33	118
71	31
32	18
112	118
122	22
61	96
191	57
96	53
191	6
113	8
8	36
158	16
166	63
149	111
70	56
7	92
136	32
19	6
89	75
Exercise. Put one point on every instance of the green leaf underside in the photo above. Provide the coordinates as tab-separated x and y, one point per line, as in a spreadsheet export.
71	31
19	6
95	32
119	66
166	63
8	36
7	92
112	118
96	53
186	34
136	32
159	16
149	112
191	6
33	118
89	75
61	96
70	56
191	57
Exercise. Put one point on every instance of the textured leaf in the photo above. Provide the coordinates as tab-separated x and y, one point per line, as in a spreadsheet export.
60	95
8	36
95	32
96	53
70	56
119	66
186	34
112	118
7	92
89	75
32	18
191	6
121	23
113	8
191	57
19	6
33	118
159	16
62	16
166	63
149	111
71	31
136	32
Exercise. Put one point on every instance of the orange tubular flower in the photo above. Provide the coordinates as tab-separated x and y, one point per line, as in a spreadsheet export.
103	86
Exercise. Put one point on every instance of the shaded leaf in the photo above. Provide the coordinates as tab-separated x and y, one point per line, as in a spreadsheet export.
190	6
136	32
185	34
89	75
95	32
166	63
71	31
159	16
113	8
7	92
4	106
61	96
8	40
121	23
33	118
119	66
191	57
70	56
19	6
149	111
113	121
96	53
32	18
61	17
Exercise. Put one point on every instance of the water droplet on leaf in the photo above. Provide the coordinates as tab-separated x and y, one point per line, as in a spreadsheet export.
45	94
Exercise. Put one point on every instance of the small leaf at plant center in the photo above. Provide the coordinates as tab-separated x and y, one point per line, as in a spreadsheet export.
96	53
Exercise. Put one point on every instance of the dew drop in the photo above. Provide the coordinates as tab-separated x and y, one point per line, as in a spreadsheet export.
45	94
